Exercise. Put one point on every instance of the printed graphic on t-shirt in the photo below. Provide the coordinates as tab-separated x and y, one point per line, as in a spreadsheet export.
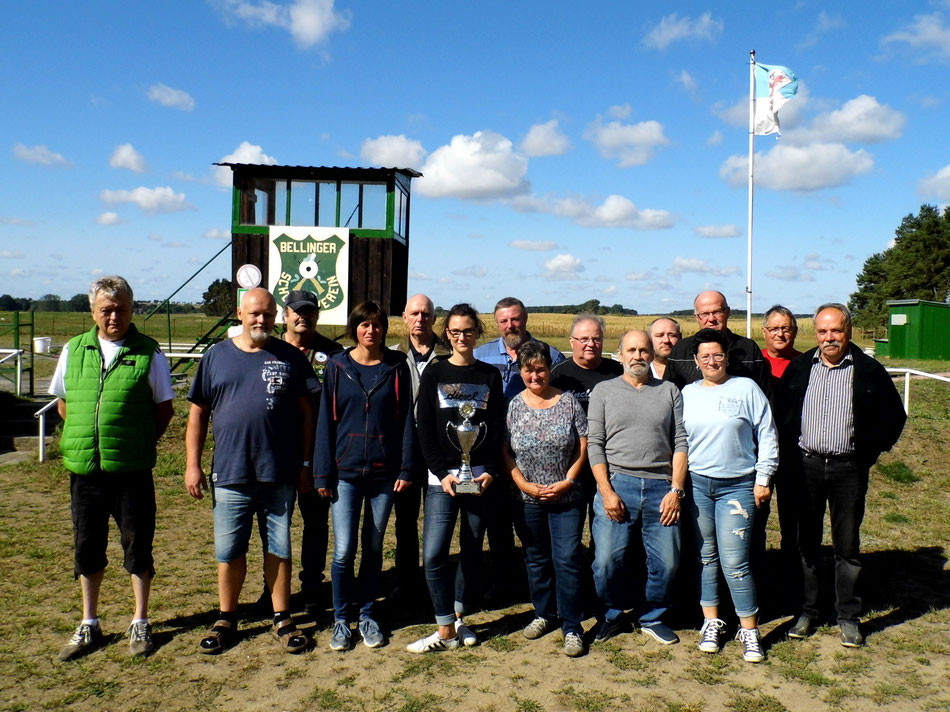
729	407
276	374
452	395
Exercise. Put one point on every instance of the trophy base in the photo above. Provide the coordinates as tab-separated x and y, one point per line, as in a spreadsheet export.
468	487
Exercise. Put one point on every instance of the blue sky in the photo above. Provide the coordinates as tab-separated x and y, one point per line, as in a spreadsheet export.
570	150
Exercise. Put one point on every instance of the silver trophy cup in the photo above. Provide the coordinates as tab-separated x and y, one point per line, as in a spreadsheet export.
468	437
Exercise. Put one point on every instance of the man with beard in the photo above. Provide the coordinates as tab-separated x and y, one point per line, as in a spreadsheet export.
665	334
838	411
637	450
259	390
511	318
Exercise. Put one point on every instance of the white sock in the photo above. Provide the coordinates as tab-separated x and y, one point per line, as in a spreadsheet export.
140	620
94	622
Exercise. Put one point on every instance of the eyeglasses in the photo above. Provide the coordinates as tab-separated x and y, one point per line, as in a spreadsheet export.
712	357
587	340
707	315
776	330
457	333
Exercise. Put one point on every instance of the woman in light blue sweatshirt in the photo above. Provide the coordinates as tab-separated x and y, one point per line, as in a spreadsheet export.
733	452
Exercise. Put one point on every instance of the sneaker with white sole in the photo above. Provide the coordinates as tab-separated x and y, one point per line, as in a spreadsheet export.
710	635
340	639
433	644
369	630
749	637
86	638
140	639
573	645
465	635
536	628
661	633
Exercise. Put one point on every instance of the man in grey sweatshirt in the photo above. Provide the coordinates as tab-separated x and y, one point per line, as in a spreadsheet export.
637	451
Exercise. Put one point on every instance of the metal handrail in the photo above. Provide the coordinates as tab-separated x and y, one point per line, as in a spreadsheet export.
18	355
907	374
41	416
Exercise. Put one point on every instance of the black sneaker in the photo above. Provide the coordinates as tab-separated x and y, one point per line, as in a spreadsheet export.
661	633
802	628
851	634
607	630
86	638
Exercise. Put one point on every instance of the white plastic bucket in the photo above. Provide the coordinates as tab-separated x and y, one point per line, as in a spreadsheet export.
42	344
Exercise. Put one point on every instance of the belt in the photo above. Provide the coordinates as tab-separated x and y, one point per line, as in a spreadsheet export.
818	456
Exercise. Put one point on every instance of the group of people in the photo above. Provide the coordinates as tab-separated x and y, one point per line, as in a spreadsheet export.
676	443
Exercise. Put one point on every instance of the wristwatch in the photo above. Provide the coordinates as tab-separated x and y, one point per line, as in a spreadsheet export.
678	492
306	463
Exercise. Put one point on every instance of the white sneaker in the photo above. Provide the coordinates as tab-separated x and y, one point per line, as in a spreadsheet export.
464	633
710	635
573	645
536	628
433	644
753	645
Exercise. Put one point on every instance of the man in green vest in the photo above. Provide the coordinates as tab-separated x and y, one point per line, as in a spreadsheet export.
115	398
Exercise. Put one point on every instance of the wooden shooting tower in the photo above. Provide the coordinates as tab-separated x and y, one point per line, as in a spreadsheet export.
342	233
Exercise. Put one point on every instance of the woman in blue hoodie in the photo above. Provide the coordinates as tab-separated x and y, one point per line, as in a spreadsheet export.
363	457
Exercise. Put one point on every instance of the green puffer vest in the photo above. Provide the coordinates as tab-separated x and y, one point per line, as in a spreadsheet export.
110	416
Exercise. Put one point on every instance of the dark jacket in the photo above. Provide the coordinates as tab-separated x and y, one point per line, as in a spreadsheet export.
879	413
364	434
745	359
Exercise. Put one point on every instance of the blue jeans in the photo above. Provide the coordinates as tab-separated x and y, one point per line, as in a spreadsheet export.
642	498
438	526
554	558
376	497
234	508
724	512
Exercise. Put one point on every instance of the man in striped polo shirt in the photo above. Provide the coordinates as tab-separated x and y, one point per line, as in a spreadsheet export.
839	410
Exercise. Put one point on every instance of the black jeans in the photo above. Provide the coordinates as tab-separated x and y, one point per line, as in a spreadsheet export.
315	512
406	506
843	483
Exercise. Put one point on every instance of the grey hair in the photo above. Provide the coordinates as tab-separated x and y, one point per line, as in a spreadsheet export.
635	331
663	318
784	311
841	308
111	286
509	302
588	316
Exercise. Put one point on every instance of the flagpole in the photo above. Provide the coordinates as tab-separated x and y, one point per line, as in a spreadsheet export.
748	287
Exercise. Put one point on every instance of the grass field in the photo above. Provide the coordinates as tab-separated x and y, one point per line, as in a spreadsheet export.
905	666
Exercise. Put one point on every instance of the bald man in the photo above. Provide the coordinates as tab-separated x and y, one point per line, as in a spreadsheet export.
745	357
421	347
259	390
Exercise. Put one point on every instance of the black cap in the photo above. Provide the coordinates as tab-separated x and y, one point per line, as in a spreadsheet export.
300	298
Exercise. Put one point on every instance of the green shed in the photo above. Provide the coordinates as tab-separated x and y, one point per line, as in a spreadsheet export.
917	329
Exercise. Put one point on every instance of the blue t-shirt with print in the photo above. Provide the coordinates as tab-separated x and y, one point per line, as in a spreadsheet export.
256	422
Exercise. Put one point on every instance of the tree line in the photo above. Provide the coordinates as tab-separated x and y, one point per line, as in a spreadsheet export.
80	303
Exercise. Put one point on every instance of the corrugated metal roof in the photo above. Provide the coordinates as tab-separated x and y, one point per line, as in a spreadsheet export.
368	171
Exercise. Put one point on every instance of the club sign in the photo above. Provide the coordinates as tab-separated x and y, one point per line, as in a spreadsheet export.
315	259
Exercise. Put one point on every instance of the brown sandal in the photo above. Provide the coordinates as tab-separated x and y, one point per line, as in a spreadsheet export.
221	636
290	637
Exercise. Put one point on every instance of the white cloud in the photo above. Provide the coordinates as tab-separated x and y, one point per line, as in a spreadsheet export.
173	98
150	200
564	266
682	265
19	272
482	166
862	120
615	211
11	255
718	231
824	24
790	273
109	219
927	34
673	28
533	245
40	155
309	22
611	290
471	271
638	276
183	176
620	111
930	102
937	185
784	167
216	234
16	221
629	144
545	140
393	152
686	79
419	276
245	153
154	237
125	156
715	139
